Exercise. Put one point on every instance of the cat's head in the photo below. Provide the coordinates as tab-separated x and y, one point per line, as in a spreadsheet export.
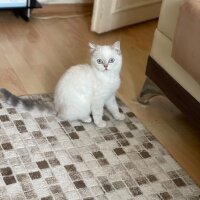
106	57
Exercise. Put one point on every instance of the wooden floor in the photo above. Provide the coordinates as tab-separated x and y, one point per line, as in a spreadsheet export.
34	55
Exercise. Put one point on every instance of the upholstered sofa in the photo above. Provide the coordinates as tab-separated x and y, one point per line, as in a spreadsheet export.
173	66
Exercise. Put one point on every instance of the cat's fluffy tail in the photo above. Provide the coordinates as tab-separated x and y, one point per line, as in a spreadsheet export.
28	104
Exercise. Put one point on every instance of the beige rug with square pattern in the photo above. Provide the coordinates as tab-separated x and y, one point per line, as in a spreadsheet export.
44	158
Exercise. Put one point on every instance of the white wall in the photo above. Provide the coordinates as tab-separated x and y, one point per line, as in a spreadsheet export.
66	1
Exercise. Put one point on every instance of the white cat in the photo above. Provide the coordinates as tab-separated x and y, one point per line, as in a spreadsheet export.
85	89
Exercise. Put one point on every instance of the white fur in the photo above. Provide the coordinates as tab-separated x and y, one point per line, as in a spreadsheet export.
86	89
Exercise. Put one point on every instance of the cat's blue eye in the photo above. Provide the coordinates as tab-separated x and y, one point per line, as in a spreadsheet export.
99	61
112	60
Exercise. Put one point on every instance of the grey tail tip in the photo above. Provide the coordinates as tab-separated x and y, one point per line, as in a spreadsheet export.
28	104
9	97
13	100
5	93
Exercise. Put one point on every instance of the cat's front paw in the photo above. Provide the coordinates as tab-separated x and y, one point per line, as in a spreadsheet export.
101	124
87	120
120	116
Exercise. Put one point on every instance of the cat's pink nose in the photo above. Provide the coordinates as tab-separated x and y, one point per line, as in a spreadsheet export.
106	67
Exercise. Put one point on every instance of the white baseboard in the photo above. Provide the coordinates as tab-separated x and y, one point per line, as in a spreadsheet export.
65	1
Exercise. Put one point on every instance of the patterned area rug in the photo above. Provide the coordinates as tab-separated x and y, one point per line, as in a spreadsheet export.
44	158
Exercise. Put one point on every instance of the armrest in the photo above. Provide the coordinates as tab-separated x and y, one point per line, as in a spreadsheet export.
168	17
186	48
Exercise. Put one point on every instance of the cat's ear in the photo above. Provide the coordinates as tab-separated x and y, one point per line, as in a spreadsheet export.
92	46
116	46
